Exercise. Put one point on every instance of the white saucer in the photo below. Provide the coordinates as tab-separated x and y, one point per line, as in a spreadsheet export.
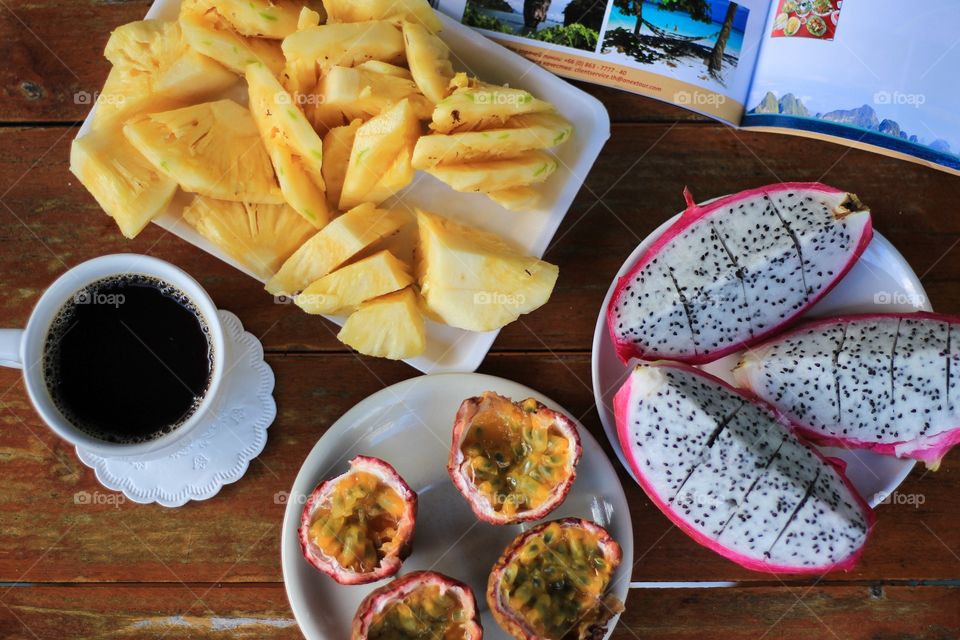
880	281
234	434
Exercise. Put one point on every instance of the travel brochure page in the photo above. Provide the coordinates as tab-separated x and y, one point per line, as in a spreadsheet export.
887	80
699	54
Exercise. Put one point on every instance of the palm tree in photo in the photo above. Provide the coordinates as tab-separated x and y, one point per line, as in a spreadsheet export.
716	57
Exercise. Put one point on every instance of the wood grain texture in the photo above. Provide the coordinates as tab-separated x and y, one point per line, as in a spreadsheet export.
213	612
49	537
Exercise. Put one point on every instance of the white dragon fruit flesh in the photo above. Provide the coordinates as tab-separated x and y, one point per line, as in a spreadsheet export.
885	382
727	470
728	273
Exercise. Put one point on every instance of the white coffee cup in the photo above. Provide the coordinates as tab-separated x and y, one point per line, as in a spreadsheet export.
23	348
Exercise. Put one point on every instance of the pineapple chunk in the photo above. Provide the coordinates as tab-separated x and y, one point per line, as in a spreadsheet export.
418	11
333	245
207	31
311	18
516	198
474	280
213	149
344	289
336	152
520	133
387	69
429	60
154	69
124	184
529	167
348	45
274	19
295	149
376	147
359	93
484	106
390	326
258	236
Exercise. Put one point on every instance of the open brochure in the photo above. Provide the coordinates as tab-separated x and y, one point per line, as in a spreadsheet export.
873	74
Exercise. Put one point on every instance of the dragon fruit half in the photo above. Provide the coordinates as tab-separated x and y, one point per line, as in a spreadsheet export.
727	470
729	273
885	382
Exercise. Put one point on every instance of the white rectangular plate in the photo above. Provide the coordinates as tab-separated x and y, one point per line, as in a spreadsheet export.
450	349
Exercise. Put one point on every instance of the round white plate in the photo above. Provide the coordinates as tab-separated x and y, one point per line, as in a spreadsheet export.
881	280
410	425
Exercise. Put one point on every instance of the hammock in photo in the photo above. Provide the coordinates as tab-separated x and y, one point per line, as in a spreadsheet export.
666	34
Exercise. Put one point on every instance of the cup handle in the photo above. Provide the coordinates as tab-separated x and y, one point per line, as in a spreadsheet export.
10	340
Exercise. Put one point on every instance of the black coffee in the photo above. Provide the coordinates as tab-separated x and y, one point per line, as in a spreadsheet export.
128	359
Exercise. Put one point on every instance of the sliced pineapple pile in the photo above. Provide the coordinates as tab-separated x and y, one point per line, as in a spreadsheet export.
347	99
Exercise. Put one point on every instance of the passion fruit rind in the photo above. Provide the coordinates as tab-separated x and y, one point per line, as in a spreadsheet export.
522	467
375	609
390	555
562	582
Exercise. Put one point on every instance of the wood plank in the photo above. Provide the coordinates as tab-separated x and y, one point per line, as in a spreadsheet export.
634	187
203	611
56	63
48	537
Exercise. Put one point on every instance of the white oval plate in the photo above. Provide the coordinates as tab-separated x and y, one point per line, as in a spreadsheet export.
450	349
410	425
880	279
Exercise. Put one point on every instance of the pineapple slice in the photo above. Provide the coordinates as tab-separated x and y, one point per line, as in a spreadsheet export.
529	167
418	11
333	245
348	45
520	133
213	149
429	60
398	175
359	93
207	31
258	236
474	280
516	198
274	19
344	289
123	183
311	17
483	106
376	148
390	326
154	69
387	69
336	151
295	149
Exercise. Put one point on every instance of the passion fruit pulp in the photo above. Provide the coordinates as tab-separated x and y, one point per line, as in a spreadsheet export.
423	605
357	527
512	461
551	582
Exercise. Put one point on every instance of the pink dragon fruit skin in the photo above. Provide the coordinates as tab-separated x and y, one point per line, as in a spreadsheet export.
772	368
862	517
788	214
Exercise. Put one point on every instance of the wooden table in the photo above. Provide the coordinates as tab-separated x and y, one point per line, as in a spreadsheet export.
212	569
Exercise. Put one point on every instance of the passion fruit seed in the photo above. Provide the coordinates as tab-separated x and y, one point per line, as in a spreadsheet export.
358	527
424	614
555	578
516	457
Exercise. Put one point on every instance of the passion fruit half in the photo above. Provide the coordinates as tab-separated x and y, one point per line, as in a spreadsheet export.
551	582
418	606
512	461
357	527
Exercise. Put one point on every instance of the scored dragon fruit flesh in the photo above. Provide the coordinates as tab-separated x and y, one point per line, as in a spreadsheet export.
726	469
885	382
729	273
